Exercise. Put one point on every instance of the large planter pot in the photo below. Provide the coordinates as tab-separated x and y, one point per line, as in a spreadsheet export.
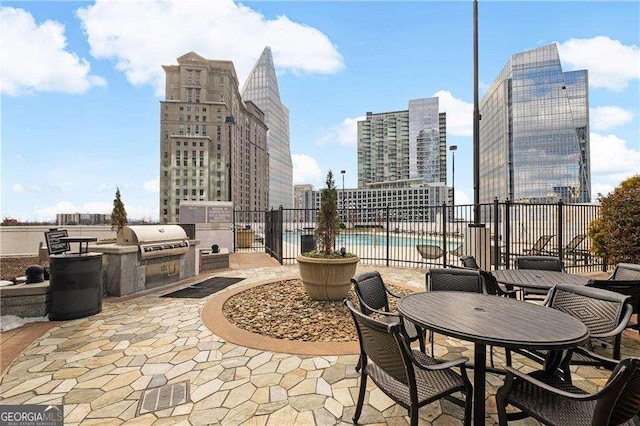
327	279
244	238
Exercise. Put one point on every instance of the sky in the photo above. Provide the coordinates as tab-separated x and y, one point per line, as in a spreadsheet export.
81	83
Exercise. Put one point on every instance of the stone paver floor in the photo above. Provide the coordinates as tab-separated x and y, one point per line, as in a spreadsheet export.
103	366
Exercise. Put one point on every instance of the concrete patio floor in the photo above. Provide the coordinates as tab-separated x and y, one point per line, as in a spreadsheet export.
115	367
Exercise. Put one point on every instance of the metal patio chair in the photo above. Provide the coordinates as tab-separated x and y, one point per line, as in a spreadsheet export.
553	401
624	280
538	248
605	314
544	263
453	279
429	251
470	262
571	250
373	296
409	377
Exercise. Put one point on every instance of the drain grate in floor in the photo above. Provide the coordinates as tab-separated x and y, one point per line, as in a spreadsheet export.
154	399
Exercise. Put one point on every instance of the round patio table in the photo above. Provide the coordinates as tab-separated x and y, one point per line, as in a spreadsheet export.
490	320
537	279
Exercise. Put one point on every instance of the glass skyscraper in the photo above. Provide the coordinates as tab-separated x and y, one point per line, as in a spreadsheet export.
261	88
401	145
534	132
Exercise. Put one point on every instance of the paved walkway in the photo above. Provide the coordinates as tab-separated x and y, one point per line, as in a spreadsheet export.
150	360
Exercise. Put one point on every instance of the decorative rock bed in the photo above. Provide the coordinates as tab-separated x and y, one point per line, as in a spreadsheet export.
283	310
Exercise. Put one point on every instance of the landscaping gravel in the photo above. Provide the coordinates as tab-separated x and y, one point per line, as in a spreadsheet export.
15	266
283	310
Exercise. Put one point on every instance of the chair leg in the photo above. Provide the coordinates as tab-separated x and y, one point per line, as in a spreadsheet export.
432	346
501	400
491	356
616	346
468	407
507	355
359	364
363	389
413	416
421	334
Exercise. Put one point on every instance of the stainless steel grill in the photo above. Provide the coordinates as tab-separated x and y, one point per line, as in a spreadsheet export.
155	240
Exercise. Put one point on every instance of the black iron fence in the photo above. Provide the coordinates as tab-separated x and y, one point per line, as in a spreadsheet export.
437	236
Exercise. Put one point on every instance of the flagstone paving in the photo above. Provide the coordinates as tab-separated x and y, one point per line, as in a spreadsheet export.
100	368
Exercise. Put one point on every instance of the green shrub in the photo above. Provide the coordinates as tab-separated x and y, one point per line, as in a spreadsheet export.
615	235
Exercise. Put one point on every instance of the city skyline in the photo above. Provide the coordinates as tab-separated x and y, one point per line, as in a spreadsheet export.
88	121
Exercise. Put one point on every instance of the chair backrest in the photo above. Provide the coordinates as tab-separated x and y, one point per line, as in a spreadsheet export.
626	271
546	263
469	261
620	398
371	292
429	251
539	245
629	288
450	279
574	243
600	310
382	343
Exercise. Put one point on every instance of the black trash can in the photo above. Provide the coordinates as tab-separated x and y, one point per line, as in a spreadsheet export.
307	242
75	285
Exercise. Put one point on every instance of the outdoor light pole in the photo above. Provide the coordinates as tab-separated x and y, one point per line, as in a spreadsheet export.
476	121
453	149
343	172
230	121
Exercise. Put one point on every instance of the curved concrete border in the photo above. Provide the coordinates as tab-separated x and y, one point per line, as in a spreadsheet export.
215	321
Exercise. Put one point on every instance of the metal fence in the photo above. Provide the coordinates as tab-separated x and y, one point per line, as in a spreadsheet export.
436	236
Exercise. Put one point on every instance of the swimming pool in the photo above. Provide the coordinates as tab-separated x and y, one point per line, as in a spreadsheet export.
380	239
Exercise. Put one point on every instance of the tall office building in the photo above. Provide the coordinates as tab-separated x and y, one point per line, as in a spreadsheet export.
400	145
261	88
534	131
207	135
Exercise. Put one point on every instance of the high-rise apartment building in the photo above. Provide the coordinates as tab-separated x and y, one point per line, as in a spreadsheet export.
207	134
400	145
261	88
534	131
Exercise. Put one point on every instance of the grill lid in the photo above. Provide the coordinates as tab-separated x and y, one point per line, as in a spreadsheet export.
150	234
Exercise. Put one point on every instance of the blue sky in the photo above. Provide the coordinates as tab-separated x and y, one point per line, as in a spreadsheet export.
81	83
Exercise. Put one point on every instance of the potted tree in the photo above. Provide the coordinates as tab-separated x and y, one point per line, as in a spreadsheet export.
324	271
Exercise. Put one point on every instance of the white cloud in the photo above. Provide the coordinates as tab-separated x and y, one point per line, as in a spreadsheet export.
306	170
26	188
611	64
343	134
152	185
140	36
459	114
49	212
34	58
612	161
608	117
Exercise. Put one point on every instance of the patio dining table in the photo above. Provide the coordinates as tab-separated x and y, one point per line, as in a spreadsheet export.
489	320
536	279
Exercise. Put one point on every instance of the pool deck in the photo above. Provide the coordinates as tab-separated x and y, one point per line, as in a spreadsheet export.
107	368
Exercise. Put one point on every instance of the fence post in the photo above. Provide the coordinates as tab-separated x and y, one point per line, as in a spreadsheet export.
496	234
387	233
444	235
560	227
507	233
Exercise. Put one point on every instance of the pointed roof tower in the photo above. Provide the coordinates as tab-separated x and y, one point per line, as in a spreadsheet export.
261	87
